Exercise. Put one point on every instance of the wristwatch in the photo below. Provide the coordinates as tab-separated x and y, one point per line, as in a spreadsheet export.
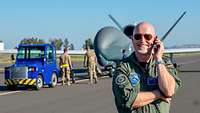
160	61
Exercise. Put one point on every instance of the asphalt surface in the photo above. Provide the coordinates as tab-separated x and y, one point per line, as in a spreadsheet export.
77	98
97	98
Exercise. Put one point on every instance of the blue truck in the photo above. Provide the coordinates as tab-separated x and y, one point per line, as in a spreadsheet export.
35	66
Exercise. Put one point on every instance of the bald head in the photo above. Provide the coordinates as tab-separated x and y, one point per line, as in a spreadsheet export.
144	28
143	37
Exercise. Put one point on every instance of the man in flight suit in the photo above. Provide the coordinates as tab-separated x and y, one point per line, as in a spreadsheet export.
90	62
66	66
146	80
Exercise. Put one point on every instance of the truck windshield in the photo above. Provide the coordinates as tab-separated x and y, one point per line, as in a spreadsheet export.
30	52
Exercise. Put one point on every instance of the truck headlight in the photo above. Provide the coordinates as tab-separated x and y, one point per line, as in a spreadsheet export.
32	69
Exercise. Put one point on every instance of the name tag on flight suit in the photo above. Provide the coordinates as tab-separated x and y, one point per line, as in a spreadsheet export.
152	80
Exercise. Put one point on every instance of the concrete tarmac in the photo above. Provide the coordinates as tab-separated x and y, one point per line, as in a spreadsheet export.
97	98
187	99
77	98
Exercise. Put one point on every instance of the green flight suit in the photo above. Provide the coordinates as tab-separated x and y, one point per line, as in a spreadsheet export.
130	78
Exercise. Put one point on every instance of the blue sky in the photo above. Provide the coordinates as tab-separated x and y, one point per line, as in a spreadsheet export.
78	20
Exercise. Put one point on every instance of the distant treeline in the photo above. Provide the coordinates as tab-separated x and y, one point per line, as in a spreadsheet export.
58	42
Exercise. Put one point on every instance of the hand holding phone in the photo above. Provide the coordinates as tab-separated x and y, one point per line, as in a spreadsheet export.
158	48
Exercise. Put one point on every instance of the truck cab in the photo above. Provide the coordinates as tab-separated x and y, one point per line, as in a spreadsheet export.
35	66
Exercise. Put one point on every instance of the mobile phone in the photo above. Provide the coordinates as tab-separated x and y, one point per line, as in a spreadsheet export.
154	46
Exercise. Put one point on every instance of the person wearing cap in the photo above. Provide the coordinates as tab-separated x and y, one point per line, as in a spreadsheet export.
146	81
90	61
66	66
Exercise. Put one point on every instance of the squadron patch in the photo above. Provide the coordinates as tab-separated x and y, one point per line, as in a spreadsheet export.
134	78
120	80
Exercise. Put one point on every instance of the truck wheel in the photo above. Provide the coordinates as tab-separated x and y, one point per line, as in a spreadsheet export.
54	80
39	83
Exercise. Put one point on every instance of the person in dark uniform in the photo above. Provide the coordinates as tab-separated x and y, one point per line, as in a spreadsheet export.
146	80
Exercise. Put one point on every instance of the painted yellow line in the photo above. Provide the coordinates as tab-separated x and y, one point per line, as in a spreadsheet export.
7	93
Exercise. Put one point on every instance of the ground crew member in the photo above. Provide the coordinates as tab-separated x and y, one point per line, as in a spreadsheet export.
66	66
90	61
146	80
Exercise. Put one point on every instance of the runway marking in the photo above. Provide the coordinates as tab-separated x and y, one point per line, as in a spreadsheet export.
7	93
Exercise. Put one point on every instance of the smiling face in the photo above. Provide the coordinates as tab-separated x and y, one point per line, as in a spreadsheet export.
143	37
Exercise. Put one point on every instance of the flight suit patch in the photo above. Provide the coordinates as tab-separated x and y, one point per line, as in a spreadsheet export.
134	78
120	79
152	80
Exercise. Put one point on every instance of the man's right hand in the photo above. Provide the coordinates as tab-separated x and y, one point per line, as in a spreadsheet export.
168	100
160	96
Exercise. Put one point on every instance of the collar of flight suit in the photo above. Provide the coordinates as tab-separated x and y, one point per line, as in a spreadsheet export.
133	59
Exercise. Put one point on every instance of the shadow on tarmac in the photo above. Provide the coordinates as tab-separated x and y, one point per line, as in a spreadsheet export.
18	88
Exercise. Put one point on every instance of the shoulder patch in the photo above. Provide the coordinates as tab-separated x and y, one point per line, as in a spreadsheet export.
120	79
134	78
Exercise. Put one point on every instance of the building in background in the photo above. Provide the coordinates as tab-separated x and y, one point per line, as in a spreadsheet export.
1	45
